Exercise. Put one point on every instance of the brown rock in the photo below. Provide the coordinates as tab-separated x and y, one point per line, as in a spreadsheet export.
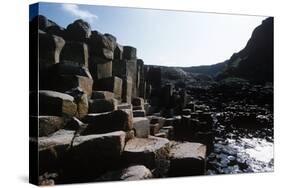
107	122
50	124
146	151
112	84
56	104
102	105
187	159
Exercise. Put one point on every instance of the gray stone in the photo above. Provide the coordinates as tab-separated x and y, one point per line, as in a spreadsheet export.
107	122
134	172
102	105
139	113
146	151
102	45
50	124
126	68
56	104
187	159
112	84
127	89
118	52
137	101
79	30
141	126
100	68
50	47
123	106
102	95
93	155
75	52
129	52
52	150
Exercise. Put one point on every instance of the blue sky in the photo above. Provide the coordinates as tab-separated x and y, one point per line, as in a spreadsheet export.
170	38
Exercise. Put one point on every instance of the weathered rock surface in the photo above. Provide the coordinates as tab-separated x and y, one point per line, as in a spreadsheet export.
79	30
141	127
107	122
102	105
129	52
112	84
134	172
50	124
52	150
146	151
56	104
102	95
50	47
93	155
75	52
187	159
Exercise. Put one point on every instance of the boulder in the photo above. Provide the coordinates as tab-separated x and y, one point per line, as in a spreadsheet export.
102	95
107	122
187	159
102	105
56	104
129	52
146	151
93	155
141	126
134	172
75	52
139	113
100	68
112	84
50	47
52	150
79	30
50	124
102	45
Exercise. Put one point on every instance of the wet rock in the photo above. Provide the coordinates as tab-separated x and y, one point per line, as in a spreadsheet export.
102	105
187	159
107	122
56	104
134	172
146	151
141	126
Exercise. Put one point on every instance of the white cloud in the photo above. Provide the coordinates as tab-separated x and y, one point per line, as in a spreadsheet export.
75	10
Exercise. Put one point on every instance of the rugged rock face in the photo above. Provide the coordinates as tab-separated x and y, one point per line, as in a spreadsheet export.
255	61
104	115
